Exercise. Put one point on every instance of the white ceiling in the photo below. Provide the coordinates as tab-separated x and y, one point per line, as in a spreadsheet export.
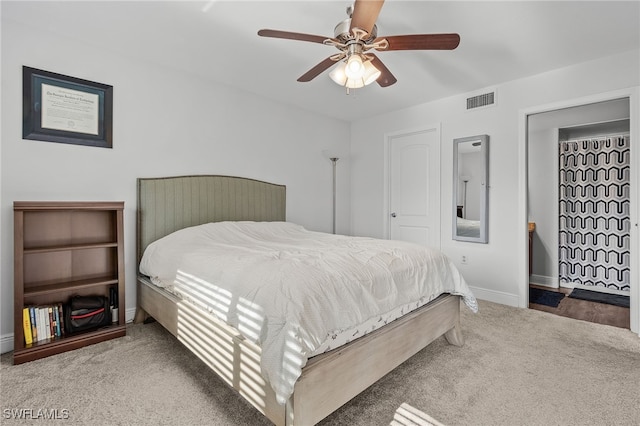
500	41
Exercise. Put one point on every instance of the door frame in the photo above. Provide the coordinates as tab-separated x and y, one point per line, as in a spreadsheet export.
633	94
386	195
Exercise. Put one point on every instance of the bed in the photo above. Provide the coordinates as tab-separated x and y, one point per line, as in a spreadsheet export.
328	377
467	228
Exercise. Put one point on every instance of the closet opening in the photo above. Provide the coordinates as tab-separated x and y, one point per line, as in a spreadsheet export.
579	198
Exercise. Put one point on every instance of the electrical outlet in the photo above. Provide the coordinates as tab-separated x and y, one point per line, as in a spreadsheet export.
463	259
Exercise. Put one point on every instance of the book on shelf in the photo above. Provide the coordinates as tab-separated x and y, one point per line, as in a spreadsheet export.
52	322
26	322
34	331
56	317
61	323
44	322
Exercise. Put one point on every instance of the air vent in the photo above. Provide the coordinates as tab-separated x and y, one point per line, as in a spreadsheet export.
483	100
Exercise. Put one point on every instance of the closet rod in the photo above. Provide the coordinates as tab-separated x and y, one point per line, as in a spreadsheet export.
616	135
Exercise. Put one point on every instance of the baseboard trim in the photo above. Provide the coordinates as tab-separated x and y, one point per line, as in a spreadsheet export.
501	297
545	281
6	343
129	315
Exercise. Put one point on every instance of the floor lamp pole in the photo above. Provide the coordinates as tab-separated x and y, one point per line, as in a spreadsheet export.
334	160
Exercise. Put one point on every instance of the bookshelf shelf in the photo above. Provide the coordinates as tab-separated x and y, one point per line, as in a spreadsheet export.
62	249
41	289
68	247
55	346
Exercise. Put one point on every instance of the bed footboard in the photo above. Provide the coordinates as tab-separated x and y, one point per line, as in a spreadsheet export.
328	381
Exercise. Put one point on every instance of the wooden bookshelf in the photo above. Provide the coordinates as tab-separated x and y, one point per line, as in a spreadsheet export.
62	249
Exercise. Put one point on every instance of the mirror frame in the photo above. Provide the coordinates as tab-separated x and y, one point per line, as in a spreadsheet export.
484	189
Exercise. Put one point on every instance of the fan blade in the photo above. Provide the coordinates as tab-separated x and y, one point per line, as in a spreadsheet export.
317	70
386	78
293	36
365	13
422	42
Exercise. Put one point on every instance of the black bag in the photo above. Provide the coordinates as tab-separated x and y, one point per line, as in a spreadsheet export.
86	312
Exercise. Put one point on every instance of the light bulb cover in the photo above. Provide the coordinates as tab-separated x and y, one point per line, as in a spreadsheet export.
355	67
371	73
340	76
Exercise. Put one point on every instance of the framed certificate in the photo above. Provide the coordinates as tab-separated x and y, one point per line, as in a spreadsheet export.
58	108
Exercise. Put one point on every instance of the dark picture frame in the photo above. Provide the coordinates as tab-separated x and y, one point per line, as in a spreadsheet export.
63	109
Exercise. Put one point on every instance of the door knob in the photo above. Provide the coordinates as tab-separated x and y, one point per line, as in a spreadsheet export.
393	215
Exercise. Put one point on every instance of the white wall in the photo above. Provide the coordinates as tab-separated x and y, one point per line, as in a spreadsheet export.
165	123
543	177
492	269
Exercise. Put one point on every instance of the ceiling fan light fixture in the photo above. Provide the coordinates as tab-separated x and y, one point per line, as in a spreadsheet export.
354	37
340	76
371	73
354	67
354	83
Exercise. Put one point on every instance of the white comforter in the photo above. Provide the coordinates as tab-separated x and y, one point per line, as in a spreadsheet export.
467	227
289	289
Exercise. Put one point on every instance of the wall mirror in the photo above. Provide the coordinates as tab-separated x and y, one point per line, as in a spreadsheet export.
470	188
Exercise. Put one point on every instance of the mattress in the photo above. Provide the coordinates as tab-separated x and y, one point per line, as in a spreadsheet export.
295	292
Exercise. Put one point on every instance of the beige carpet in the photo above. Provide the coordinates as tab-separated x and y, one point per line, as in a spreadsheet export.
518	367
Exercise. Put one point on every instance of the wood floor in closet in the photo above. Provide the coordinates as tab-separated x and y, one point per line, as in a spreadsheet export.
600	313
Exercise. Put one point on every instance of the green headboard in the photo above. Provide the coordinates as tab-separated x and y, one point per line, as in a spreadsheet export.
168	204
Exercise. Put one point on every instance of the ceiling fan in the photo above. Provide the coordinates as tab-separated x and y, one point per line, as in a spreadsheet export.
355	37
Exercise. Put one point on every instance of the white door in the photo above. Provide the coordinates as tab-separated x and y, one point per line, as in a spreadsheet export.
414	186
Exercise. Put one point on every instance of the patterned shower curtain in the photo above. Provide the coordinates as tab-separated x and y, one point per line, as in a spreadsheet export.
594	213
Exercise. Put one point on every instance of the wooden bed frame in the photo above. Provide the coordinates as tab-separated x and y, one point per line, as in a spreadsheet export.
329	380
